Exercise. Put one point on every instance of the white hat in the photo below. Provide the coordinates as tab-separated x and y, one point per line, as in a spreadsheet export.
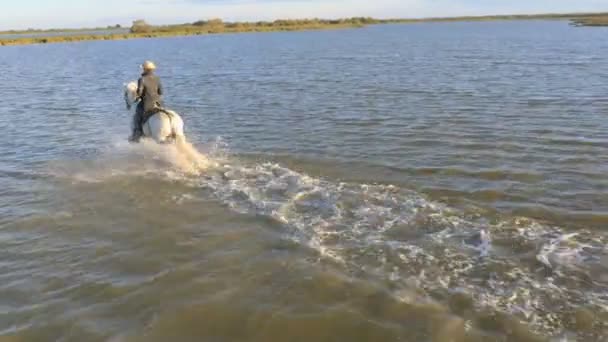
148	65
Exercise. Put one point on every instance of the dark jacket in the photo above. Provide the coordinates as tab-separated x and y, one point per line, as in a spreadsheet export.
150	91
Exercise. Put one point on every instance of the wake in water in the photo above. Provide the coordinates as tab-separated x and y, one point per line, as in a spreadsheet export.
419	249
540	274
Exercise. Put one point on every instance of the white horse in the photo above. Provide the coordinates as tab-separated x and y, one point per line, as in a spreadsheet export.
163	127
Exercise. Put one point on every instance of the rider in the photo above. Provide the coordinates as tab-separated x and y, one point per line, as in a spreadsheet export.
149	92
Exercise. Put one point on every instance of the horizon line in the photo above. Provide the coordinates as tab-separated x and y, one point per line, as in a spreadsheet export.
543	14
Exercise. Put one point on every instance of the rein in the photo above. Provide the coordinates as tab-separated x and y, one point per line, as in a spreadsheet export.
166	112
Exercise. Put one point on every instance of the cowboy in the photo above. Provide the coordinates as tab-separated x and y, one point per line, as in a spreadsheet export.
149	92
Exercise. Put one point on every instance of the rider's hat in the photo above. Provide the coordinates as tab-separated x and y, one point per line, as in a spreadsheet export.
148	65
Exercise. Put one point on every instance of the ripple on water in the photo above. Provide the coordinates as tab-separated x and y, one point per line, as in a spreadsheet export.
399	235
502	239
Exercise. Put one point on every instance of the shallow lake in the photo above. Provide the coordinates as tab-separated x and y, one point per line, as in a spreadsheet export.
423	182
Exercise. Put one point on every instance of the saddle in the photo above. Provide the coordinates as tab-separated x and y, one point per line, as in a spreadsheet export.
147	115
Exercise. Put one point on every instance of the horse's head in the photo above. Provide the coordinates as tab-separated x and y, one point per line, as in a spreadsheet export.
130	94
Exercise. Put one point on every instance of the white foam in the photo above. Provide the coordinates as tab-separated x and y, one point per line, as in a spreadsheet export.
400	236
349	223
146	158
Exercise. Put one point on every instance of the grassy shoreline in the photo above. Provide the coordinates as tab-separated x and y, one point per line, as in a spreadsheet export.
591	21
141	29
549	16
187	30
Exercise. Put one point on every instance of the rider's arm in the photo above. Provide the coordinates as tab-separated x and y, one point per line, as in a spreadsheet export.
160	88
140	87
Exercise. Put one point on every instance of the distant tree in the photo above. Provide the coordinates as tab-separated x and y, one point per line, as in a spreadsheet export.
141	26
117	26
215	22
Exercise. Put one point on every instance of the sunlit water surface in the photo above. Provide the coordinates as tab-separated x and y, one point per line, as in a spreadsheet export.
431	182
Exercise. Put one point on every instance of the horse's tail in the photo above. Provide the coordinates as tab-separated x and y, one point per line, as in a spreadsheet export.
173	135
179	139
196	158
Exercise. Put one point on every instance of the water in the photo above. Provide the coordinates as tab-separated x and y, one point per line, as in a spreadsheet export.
428	182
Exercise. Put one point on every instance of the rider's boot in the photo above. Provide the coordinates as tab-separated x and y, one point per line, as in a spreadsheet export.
135	135
138	131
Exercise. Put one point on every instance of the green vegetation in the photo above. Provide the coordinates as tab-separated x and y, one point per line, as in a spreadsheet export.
72	30
141	29
567	16
599	20
218	26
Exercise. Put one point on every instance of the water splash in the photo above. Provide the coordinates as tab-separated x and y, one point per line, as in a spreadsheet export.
521	267
407	240
147	158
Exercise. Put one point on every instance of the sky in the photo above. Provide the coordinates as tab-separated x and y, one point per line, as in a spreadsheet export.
22	14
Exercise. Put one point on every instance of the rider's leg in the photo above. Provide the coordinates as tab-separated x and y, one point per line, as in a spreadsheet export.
136	125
